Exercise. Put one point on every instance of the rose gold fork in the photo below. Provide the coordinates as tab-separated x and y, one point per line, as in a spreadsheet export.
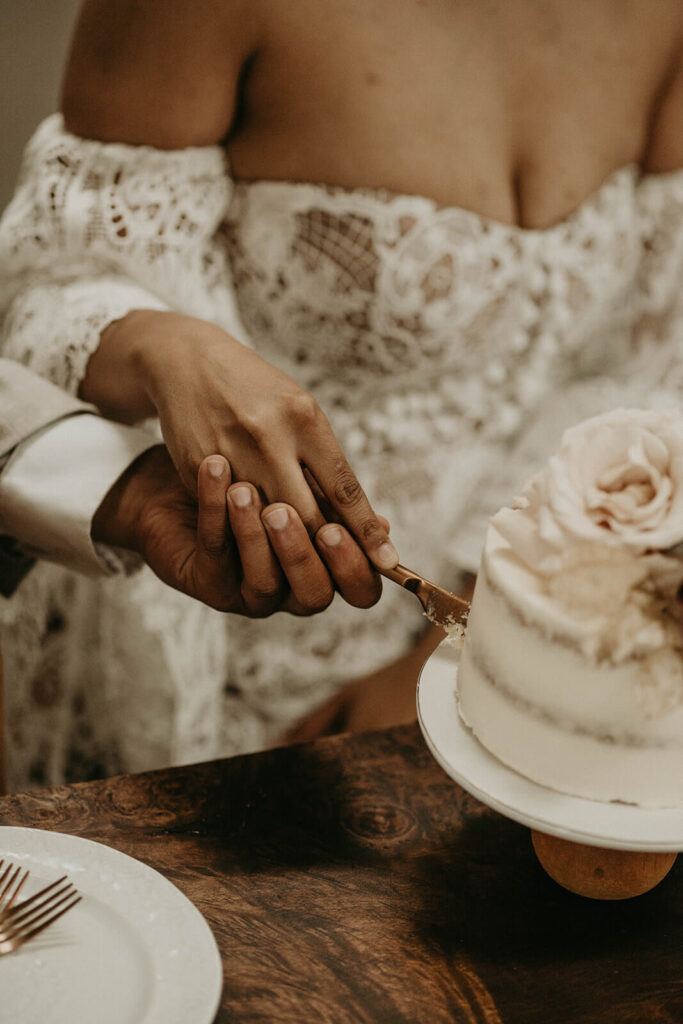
441	607
11	883
22	921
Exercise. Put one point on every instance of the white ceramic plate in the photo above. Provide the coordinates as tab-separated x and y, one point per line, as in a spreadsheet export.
611	825
134	951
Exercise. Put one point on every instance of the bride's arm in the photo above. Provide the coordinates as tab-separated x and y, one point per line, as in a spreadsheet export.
167	75
108	234
118	202
159	76
162	73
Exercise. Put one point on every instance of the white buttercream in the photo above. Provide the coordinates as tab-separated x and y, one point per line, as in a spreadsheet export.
598	729
572	671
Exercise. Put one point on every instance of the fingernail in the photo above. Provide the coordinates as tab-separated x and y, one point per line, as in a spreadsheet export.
216	467
277	518
241	496
387	555
330	536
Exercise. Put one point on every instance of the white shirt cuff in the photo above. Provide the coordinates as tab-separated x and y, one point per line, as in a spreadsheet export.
54	483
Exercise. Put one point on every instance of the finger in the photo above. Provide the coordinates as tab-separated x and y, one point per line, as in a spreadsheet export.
328	512
324	505
213	531
308	579
294	489
343	490
356	579
187	459
263	581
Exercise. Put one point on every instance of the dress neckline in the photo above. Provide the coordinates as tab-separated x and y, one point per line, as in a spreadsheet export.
628	173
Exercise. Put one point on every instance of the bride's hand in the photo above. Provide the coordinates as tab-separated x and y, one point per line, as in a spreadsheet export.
214	395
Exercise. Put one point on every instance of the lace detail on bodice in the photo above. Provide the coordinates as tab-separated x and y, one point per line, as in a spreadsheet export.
433	337
448	351
367	296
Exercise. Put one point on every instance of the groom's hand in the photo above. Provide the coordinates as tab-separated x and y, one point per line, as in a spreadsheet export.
236	561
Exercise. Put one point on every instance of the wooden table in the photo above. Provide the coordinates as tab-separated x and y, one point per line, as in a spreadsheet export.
350	881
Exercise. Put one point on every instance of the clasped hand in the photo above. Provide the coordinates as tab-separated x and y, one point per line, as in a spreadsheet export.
214	395
225	548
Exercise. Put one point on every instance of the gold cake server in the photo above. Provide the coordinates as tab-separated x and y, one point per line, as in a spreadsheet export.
441	607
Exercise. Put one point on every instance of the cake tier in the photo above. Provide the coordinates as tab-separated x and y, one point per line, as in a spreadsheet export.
533	698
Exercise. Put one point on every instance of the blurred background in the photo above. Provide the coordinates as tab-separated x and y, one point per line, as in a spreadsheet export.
34	38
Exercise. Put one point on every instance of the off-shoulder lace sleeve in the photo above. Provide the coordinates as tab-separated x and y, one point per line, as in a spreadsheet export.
97	229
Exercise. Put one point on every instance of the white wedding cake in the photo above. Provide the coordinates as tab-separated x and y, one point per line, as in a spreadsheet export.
572	667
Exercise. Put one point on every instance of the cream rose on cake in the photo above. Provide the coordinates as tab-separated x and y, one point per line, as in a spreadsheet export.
601	524
617	480
574	640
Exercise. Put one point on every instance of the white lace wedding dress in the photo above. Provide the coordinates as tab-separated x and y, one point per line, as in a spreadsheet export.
448	351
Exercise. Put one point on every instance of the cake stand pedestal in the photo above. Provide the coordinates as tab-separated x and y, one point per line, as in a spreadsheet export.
605	851
599	873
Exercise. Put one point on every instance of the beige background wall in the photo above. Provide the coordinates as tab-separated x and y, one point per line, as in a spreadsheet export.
34	37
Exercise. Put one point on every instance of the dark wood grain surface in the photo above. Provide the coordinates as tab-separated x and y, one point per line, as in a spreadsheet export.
350	881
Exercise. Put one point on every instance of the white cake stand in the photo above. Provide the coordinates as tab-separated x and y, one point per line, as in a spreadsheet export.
606	827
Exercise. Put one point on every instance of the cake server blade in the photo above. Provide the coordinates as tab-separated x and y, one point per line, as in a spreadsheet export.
441	607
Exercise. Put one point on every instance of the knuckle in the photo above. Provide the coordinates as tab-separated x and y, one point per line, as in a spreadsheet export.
260	425
213	539
347	489
254	424
368	529
263	591
213	513
214	547
316	601
302	409
248	531
301	558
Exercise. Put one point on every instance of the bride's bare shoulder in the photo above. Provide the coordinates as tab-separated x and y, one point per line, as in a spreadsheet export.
665	144
163	73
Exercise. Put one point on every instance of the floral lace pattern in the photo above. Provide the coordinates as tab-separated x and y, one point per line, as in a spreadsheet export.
448	351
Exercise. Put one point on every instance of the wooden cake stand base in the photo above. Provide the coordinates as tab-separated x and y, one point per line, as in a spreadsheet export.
600	874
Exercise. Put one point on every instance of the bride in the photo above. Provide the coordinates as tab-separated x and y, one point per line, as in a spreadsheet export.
449	229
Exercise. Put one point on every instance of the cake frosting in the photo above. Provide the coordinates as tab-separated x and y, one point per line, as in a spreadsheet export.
572	667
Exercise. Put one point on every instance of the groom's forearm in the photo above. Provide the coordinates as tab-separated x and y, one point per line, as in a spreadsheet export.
54	483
